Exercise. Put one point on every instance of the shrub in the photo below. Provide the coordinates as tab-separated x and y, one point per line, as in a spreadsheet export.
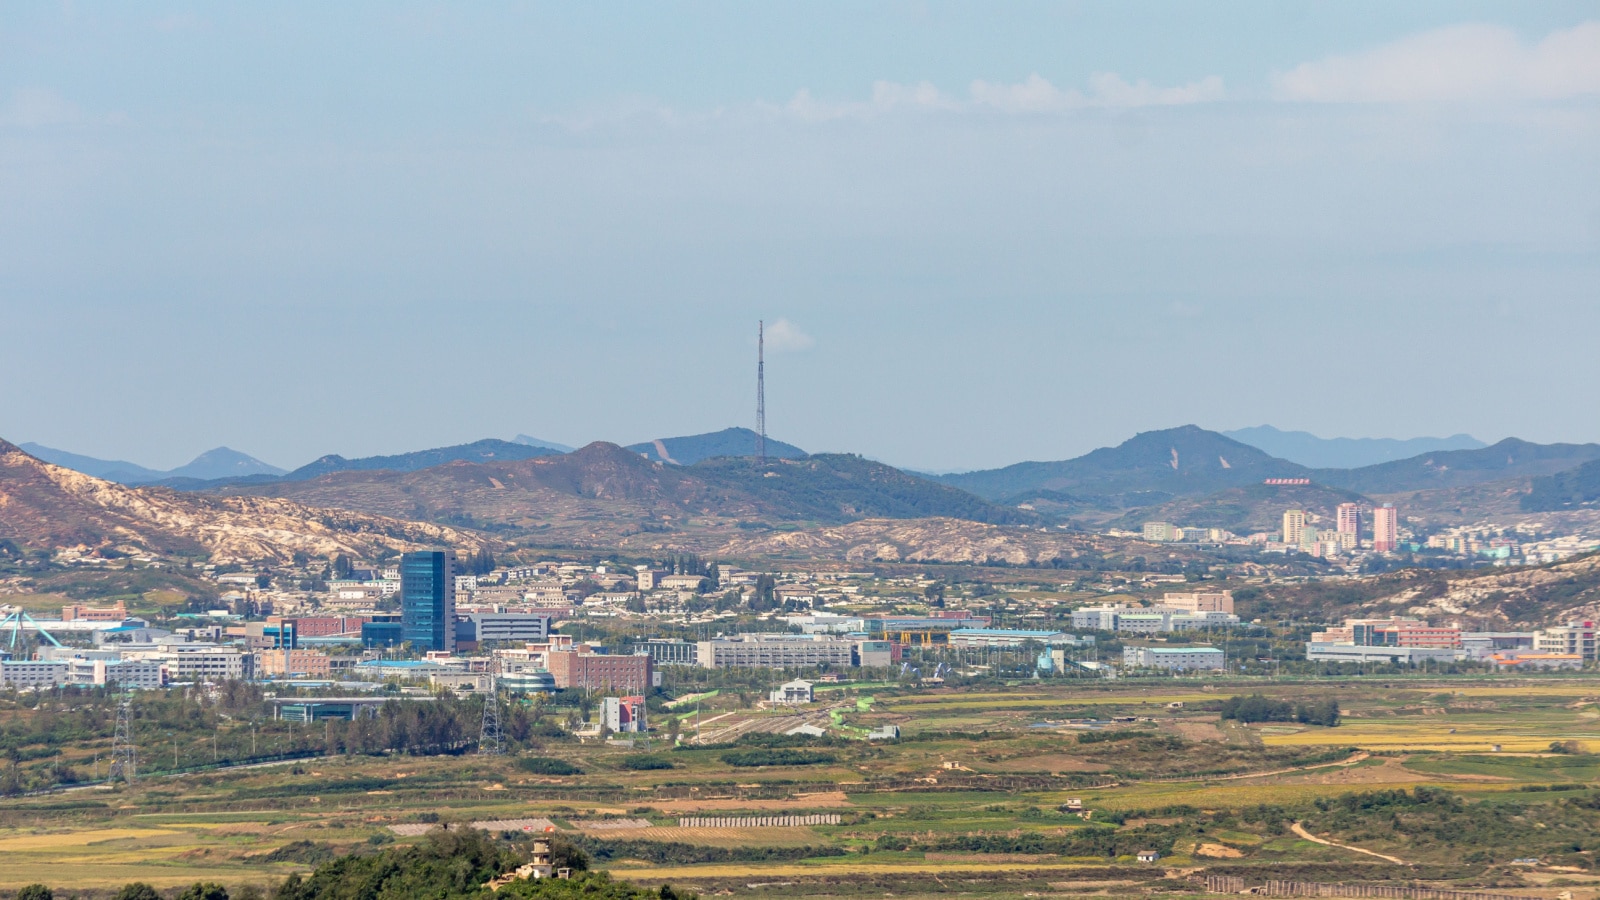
776	757
545	765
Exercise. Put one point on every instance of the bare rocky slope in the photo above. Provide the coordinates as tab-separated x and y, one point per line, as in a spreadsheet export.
958	541
43	506
1510	597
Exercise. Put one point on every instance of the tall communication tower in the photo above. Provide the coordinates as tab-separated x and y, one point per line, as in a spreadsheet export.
761	393
123	755
489	741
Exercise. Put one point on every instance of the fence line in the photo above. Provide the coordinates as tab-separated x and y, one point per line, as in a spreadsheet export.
757	821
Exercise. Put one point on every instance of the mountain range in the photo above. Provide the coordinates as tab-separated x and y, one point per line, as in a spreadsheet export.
1155	467
1315	452
208	466
605	492
603	489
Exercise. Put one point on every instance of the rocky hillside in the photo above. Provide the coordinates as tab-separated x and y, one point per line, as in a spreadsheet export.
603	489
1522	597
957	541
43	506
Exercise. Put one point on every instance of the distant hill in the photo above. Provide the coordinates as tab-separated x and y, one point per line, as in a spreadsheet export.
1576	488
1315	452
686	451
1246	509
1149	468
45	506
223	463
212	464
537	442
118	470
487	450
1510	458
601	492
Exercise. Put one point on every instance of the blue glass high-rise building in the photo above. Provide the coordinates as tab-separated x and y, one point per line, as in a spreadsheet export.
428	599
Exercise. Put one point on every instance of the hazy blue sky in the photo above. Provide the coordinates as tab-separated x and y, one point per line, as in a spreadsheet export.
988	231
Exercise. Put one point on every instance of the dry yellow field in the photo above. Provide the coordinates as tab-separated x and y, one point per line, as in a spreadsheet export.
850	866
1401	734
62	839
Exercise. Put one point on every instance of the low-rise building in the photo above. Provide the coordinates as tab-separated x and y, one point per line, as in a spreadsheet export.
1361	654
978	638
623	715
776	651
1199	601
135	674
485	627
32	673
1512	660
670	652
792	693
1576	638
598	671
293	664
1173	658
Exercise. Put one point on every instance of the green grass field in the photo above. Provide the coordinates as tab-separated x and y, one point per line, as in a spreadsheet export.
984	783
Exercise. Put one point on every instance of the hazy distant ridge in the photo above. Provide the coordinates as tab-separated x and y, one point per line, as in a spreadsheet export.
1307	449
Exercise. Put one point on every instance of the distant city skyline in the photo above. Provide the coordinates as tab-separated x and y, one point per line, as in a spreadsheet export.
978	233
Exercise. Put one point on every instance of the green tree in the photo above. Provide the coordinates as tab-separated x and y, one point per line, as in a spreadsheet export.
36	892
137	890
209	890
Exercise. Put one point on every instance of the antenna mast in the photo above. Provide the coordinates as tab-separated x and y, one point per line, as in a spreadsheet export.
761	393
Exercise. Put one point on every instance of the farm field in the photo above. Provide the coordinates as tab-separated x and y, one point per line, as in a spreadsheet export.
1011	803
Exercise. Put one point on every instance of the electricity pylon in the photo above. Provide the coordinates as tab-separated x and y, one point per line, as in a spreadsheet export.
489	740
124	756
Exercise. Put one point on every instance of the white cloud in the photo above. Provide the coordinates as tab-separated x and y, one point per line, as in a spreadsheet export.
1463	62
887	96
1111	91
1034	94
784	336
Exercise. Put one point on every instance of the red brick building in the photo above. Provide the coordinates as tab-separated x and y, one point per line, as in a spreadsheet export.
594	671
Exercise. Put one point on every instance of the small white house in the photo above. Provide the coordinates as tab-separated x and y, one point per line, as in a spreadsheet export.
794	693
1148	856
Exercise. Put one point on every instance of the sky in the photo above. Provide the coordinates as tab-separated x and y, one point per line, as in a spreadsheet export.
978	232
